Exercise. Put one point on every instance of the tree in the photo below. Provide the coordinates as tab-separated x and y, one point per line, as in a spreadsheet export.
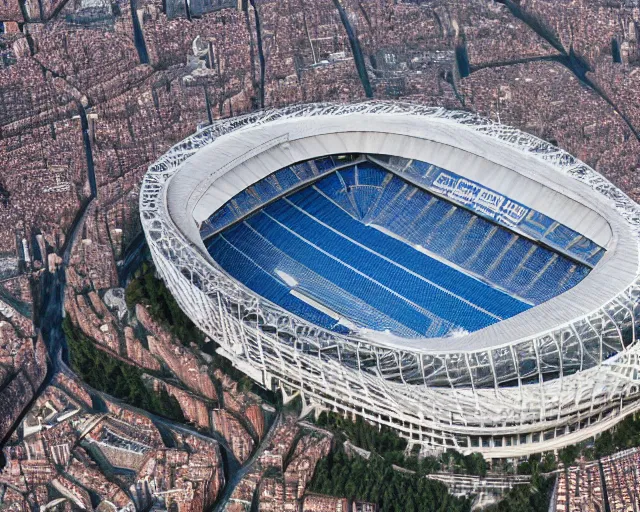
147	289
375	480
605	444
526	498
110	375
475	464
569	454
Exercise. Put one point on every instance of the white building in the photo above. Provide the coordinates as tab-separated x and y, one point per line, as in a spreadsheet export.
549	376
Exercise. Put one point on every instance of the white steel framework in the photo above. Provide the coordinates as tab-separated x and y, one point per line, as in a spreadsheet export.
548	377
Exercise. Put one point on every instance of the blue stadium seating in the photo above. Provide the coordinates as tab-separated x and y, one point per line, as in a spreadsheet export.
267	189
369	174
302	171
287	178
242	268
387	255
359	202
270	258
325	164
319	209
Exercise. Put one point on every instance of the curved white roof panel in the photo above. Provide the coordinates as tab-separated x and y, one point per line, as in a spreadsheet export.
231	163
553	375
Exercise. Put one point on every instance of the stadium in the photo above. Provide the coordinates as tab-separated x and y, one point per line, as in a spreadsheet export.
465	283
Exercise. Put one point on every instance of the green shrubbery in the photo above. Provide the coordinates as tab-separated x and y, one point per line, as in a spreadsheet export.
533	497
147	289
538	463
369	437
375	480
391	447
624	435
112	376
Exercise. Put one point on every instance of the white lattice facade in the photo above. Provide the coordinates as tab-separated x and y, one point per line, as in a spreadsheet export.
544	379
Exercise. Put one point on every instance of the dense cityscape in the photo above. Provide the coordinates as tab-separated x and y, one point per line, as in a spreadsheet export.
110	398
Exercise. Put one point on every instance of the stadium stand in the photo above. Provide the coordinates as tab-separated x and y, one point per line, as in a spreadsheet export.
364	248
470	195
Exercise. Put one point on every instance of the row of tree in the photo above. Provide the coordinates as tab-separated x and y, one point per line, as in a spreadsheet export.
392	448
376	481
145	288
623	436
112	376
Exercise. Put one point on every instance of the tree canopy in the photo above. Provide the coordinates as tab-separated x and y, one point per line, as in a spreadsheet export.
376	481
110	375
147	289
390	446
533	497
